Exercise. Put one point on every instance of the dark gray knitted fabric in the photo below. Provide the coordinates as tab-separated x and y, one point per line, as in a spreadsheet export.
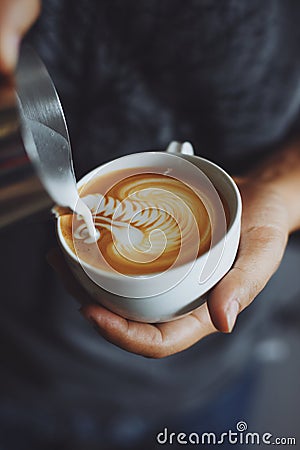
135	74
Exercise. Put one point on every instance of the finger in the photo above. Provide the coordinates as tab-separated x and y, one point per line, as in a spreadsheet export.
16	17
260	253
57	261
150	340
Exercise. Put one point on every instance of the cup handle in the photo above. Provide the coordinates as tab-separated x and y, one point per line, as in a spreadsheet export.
184	148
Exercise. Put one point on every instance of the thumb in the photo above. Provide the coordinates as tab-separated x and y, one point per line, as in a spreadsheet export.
16	17
261	250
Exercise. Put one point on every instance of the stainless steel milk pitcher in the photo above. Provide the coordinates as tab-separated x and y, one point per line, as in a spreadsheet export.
33	94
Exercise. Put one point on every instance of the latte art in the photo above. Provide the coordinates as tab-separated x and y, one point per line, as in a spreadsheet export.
147	223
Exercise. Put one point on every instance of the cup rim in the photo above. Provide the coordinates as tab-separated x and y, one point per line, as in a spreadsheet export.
118	276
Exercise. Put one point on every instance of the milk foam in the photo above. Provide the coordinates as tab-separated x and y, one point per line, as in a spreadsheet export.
149	219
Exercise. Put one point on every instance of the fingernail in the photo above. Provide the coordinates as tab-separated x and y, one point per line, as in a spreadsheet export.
10	48
231	314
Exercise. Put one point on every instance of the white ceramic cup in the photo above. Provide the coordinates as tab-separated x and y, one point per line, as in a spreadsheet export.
174	293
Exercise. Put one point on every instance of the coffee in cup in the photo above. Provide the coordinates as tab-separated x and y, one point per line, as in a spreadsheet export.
148	222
